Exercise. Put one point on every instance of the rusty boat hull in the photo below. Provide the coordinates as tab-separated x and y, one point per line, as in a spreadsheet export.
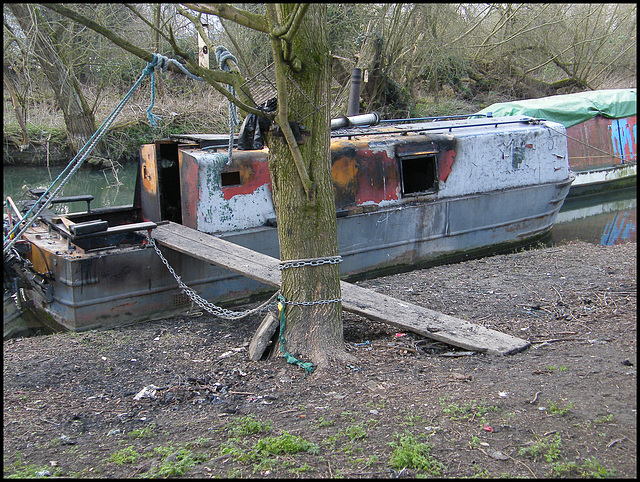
407	195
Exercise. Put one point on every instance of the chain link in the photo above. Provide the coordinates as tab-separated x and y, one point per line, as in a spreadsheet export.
311	303
206	305
297	263
269	304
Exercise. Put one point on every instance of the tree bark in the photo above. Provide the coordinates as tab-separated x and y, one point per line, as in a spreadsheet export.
78	117
307	226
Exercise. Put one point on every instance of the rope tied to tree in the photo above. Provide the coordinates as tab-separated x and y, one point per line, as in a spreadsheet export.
161	62
308	366
223	56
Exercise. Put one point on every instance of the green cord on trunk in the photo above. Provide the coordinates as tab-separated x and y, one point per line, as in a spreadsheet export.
308	366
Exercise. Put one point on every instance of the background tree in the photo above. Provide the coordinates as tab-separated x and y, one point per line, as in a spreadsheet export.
48	42
300	166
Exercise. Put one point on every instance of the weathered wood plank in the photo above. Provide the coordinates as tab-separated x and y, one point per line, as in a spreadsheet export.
220	252
364	302
429	323
263	335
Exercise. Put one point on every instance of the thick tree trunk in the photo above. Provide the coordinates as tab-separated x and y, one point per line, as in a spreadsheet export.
78	118
307	225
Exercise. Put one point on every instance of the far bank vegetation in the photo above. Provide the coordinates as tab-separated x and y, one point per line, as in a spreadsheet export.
420	60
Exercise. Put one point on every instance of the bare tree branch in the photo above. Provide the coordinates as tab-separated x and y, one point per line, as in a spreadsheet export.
229	12
282	118
297	20
212	77
155	29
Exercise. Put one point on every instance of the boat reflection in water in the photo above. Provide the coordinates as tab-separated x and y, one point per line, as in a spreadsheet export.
605	219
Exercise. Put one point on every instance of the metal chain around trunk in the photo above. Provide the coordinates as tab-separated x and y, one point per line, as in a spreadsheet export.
206	305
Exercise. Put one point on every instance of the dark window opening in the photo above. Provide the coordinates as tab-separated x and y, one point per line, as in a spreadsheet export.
419	174
230	178
169	181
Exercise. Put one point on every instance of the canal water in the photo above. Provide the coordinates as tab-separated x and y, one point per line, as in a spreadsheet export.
607	218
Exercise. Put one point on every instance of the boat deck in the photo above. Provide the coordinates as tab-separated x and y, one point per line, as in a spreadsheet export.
364	302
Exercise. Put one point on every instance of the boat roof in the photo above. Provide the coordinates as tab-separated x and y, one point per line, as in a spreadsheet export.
571	109
435	126
391	127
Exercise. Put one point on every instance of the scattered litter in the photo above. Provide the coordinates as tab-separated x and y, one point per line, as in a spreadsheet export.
361	344
487	428
398	335
103	358
355	369
227	354
115	431
43	473
147	392
497	455
503	394
133	360
484	444
374	412
66	440
461	377
53	463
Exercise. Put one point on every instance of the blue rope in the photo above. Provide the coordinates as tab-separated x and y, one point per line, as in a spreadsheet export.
162	62
10	239
223	56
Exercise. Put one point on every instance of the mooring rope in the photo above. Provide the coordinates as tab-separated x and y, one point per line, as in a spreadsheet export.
158	61
223	56
45	200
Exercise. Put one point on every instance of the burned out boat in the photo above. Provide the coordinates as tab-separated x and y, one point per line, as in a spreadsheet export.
407	194
601	134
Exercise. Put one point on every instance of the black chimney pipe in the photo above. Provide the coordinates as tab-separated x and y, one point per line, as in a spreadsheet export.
354	93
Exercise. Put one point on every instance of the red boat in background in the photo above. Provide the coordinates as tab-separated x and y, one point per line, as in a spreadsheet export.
601	134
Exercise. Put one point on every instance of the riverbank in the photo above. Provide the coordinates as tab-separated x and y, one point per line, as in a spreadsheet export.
75	404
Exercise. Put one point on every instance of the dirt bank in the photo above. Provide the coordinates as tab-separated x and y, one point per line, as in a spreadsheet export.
409	406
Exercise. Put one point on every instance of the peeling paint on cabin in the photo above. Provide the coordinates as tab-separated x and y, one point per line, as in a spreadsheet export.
376	171
253	175
518	157
445	163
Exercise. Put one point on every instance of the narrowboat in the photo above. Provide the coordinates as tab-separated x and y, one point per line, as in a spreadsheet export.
407	194
601	134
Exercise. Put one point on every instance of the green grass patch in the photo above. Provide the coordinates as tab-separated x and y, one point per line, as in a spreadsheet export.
410	453
285	444
590	469
549	449
243	426
321	422
19	470
355	432
145	432
473	410
604	419
558	410
127	455
175	461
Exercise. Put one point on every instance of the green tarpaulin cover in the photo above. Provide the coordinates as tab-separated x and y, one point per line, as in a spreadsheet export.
571	109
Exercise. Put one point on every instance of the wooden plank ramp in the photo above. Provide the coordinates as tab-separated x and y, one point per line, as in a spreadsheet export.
374	306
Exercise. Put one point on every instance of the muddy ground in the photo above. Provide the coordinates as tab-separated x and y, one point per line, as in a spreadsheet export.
409	406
